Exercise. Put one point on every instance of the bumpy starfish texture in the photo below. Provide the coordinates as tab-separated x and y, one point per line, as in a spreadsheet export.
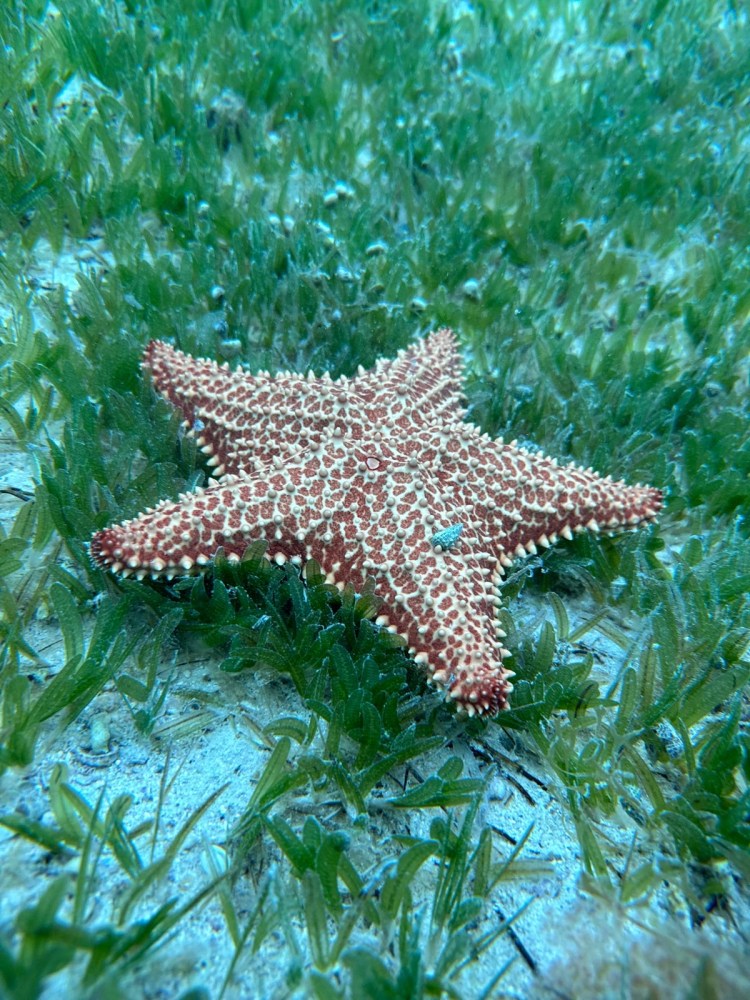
375	476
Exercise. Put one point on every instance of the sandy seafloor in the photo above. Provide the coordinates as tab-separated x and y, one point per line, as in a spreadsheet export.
578	946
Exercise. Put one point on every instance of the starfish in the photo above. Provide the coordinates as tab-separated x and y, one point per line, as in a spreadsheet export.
377	476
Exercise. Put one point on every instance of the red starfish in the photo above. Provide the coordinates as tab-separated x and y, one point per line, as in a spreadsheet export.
376	476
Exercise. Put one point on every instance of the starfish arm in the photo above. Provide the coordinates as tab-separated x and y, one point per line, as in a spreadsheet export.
421	386
444	604
242	422
175	538
290	506
523	499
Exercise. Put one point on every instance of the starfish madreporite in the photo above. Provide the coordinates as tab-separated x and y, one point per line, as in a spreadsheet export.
374	476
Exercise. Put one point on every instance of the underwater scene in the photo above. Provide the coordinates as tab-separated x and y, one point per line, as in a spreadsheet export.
374	500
